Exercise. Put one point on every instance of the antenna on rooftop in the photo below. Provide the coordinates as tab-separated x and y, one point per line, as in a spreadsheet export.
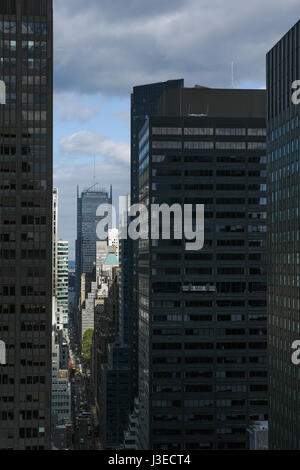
232	74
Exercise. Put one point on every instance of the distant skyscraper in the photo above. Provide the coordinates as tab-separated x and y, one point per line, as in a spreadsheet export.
87	220
283	240
54	239
144	103
26	223
62	290
202	314
113	239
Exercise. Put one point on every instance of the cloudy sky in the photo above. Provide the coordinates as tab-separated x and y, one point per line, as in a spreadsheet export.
105	47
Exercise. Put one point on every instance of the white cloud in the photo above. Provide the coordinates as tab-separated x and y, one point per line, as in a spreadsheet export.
87	143
71	107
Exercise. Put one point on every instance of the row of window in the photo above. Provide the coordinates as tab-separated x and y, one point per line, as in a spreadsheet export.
28	150
34	64
232	173
208	303
200	271
202	388
31	185
25	237
26	80
208	159
196	417
30	46
210	332
10	27
224	360
208	373
211	186
206	145
207	403
27	64
6	380
25	254
208	131
254	317
236	345
10	116
10	291
31	433
221	287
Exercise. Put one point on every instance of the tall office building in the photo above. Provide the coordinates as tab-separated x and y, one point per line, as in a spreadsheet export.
114	396
202	314
144	103
113	239
61	385
125	257
87	220
283	67
26	223
54	240
62	290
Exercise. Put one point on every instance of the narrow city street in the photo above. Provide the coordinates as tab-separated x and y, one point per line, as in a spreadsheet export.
82	418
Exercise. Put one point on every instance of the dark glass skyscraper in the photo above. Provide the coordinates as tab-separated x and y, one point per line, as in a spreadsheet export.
144	103
283	67
202	314
25	222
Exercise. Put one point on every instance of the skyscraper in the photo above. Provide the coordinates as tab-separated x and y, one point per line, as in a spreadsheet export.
202	314
283	240
61	385
113	239
87	220
54	239
114	393
26	223
125	257
144	103
62	291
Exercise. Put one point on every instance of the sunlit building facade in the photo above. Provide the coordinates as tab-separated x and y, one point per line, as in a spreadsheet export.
62	291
